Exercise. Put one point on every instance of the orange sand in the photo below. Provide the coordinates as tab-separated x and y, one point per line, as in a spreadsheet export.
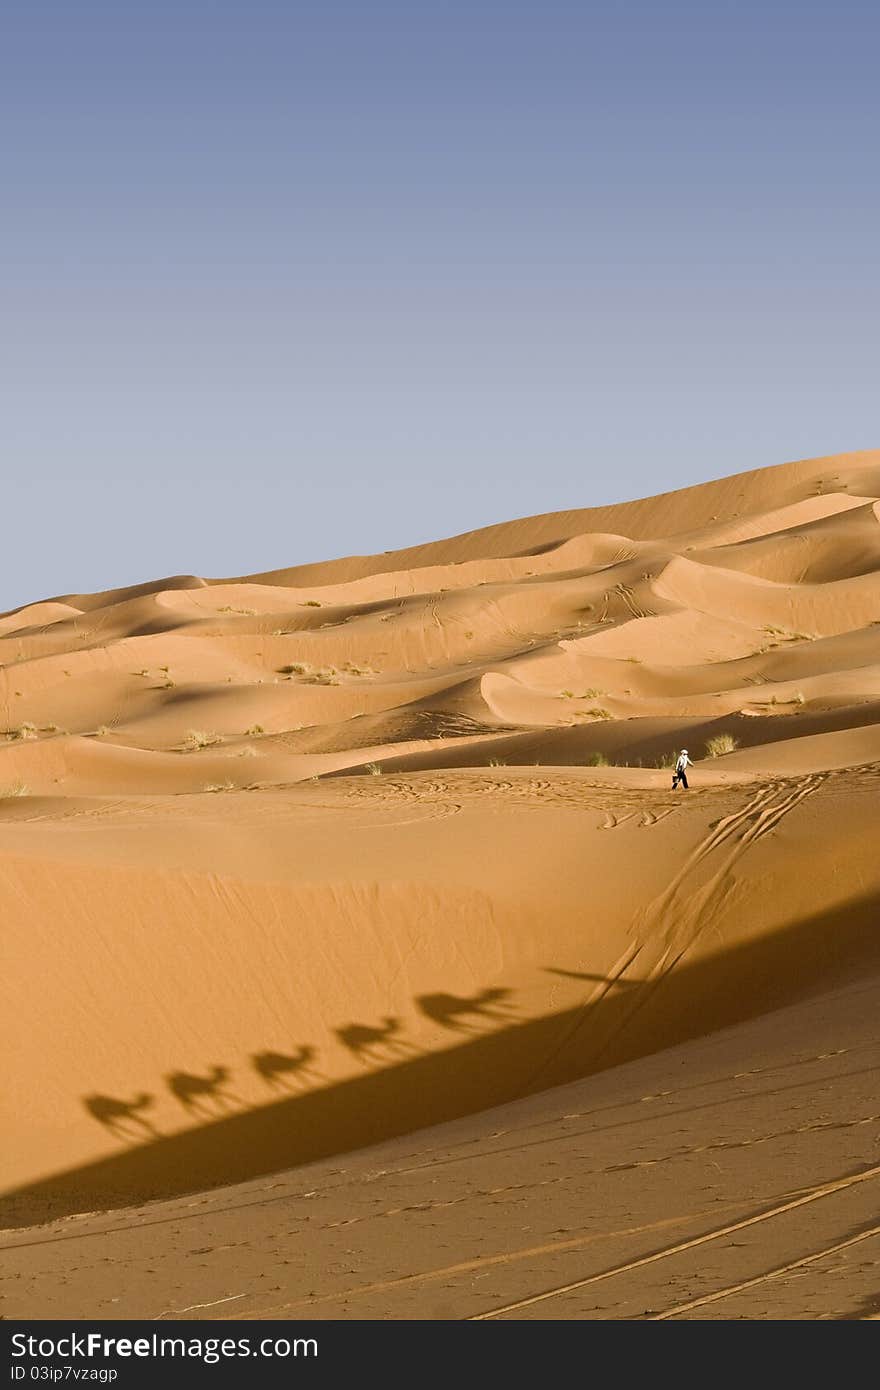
229	948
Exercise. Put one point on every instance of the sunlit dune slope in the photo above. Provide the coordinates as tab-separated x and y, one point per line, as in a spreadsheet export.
299	861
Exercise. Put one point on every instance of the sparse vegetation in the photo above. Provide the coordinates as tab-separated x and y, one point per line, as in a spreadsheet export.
220	787
16	789
666	760
246	612
198	738
373	768
312	603
797	698
294	668
596	760
720	744
254	731
22	732
497	762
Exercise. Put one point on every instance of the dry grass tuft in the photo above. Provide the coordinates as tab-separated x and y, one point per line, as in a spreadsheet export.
720	744
198	738
16	789
22	732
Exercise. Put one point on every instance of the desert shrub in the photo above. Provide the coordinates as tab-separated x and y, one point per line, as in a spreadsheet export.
16	789
22	732
198	738
373	768
312	603
596	760
220	787
720	744
666	759
254	731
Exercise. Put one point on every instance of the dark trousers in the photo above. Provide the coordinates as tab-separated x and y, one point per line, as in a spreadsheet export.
680	777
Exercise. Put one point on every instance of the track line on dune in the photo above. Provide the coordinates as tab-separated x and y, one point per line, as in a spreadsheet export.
813	1195
686	1151
672	924
725	828
762	1278
176	1312
681	920
480	1262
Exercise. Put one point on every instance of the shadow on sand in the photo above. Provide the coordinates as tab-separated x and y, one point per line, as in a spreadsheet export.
478	1071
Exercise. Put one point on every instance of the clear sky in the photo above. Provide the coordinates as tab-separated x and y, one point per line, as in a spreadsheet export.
280	281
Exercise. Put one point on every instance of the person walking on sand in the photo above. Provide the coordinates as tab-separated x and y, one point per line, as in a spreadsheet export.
680	774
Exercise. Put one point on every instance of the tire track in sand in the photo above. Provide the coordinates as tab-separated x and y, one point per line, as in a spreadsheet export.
814	1194
669	926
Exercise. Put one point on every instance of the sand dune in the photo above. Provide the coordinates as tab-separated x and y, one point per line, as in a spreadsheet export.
303	861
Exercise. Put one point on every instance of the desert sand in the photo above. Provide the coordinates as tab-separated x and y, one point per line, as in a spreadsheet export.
360	961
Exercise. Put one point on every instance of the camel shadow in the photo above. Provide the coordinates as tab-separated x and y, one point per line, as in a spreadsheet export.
122	1117
276	1067
451	1010
833	949
202	1096
369	1043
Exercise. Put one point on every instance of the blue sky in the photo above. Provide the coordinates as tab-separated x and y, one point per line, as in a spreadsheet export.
280	282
